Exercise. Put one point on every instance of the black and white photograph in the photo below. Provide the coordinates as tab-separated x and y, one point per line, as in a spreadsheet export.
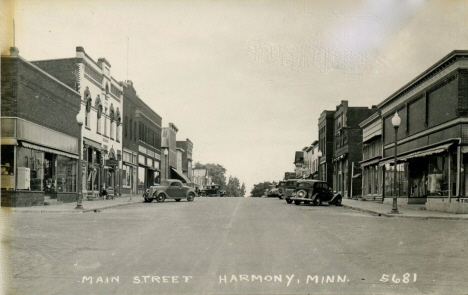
234	147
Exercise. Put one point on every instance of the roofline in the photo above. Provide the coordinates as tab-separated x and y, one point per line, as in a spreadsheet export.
370	119
42	71
432	68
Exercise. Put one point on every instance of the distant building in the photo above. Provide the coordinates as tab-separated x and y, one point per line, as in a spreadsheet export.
201	177
348	148
187	160
325	146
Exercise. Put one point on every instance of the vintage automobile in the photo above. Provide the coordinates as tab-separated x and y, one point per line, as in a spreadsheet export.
289	190
281	189
315	192
169	189
272	191
212	191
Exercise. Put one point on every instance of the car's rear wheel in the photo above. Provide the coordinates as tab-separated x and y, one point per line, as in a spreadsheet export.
288	201
318	201
177	200
297	202
190	197
338	201
160	198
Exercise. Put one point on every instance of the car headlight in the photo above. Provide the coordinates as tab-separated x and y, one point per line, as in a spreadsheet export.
301	194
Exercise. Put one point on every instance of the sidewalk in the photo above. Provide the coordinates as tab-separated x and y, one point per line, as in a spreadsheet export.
406	211
88	206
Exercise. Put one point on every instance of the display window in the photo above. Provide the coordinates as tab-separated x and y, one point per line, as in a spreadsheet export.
29	169
7	161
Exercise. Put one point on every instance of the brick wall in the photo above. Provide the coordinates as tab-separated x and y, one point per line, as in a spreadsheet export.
463	93
65	70
44	101
9	87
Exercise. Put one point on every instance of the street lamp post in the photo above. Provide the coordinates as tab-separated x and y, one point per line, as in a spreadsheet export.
396	120
166	154
80	120
319	154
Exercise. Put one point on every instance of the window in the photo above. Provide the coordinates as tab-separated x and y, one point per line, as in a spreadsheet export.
105	124
98	129
176	184
111	129
125	126
117	135
87	119
130	127
134	131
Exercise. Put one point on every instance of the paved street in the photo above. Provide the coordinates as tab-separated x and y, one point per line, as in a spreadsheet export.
235	246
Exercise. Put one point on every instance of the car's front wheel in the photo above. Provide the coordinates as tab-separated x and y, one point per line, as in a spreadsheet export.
317	201
190	197
297	202
338	201
160	198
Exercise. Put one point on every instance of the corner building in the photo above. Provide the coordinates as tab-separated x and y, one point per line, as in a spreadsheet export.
432	149
40	135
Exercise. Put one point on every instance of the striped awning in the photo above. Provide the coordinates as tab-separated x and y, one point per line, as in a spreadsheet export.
47	150
417	154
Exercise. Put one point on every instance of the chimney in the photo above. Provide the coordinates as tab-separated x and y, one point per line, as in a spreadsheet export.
14	51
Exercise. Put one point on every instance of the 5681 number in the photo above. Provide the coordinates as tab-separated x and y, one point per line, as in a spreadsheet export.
396	279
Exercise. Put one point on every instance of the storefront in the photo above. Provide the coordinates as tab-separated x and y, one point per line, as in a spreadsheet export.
36	163
148	172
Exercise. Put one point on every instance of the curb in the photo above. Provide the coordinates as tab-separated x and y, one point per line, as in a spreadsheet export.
403	215
74	211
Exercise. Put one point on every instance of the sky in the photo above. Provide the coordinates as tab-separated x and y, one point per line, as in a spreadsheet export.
246	81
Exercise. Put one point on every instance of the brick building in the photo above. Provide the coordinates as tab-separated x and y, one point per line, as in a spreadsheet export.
372	173
432	138
102	104
348	148
325	146
169	146
141	143
40	135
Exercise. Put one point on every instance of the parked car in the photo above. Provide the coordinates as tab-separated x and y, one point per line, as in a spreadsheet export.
289	190
281	189
272	191
315	192
169	189
212	191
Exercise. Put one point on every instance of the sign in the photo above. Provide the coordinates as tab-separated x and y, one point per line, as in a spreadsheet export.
112	162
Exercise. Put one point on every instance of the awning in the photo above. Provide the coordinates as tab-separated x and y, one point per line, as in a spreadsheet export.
370	161
93	144
48	150
422	153
357	175
181	175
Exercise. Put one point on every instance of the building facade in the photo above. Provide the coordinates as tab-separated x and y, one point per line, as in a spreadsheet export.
348	148
102	104
142	130
299	165
432	137
40	135
187	159
311	160
372	172
169	146
325	146
201	177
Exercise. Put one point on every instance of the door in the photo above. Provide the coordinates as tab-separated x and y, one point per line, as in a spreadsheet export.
175	190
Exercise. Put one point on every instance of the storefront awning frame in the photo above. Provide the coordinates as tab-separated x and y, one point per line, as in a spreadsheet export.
47	150
181	175
417	154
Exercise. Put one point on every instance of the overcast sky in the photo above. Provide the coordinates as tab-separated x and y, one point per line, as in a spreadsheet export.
246	81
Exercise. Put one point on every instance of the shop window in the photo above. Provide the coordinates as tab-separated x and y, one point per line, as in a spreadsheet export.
66	174
439	182
8	173
141	178
30	170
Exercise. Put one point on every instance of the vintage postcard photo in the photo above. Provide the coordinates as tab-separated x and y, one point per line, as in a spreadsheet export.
234	147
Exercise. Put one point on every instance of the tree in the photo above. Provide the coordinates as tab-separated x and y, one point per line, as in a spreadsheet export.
216	171
259	189
234	188
243	190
